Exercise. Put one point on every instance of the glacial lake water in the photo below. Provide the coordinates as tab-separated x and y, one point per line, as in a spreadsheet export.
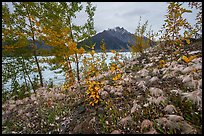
59	78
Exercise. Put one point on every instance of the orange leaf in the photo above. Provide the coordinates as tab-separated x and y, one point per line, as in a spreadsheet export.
184	58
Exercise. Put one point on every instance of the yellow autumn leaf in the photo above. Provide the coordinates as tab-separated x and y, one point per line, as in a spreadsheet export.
113	51
161	61
92	96
114	78
91	103
184	58
112	68
81	50
188	41
92	52
37	24
96	101
192	57
194	70
96	88
97	96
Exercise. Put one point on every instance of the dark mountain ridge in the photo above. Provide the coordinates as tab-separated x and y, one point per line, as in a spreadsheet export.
115	39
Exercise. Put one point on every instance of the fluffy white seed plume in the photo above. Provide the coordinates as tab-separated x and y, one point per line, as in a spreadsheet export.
175	118
192	83
152	131
160	99
143	72
155	91
177	68
197	66
197	60
18	102
135	106
154	79
28	114
187	129
187	79
162	121
195	96
200	84
141	84
180	77
118	93
194	52
152	99
117	132
178	91
155	71
125	120
148	77
187	70
107	87
146	124
149	65
170	109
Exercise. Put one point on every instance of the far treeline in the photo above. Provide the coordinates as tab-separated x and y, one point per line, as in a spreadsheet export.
52	23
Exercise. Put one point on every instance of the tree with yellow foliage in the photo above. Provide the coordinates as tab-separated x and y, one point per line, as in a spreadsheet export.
174	23
60	32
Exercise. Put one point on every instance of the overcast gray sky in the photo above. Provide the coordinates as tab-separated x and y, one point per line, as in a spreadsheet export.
126	14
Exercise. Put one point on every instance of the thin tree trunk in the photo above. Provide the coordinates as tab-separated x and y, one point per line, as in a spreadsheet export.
77	60
24	74
34	52
77	64
69	67
39	70
25	71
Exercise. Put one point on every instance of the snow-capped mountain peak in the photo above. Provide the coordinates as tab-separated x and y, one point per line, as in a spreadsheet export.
121	34
120	30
